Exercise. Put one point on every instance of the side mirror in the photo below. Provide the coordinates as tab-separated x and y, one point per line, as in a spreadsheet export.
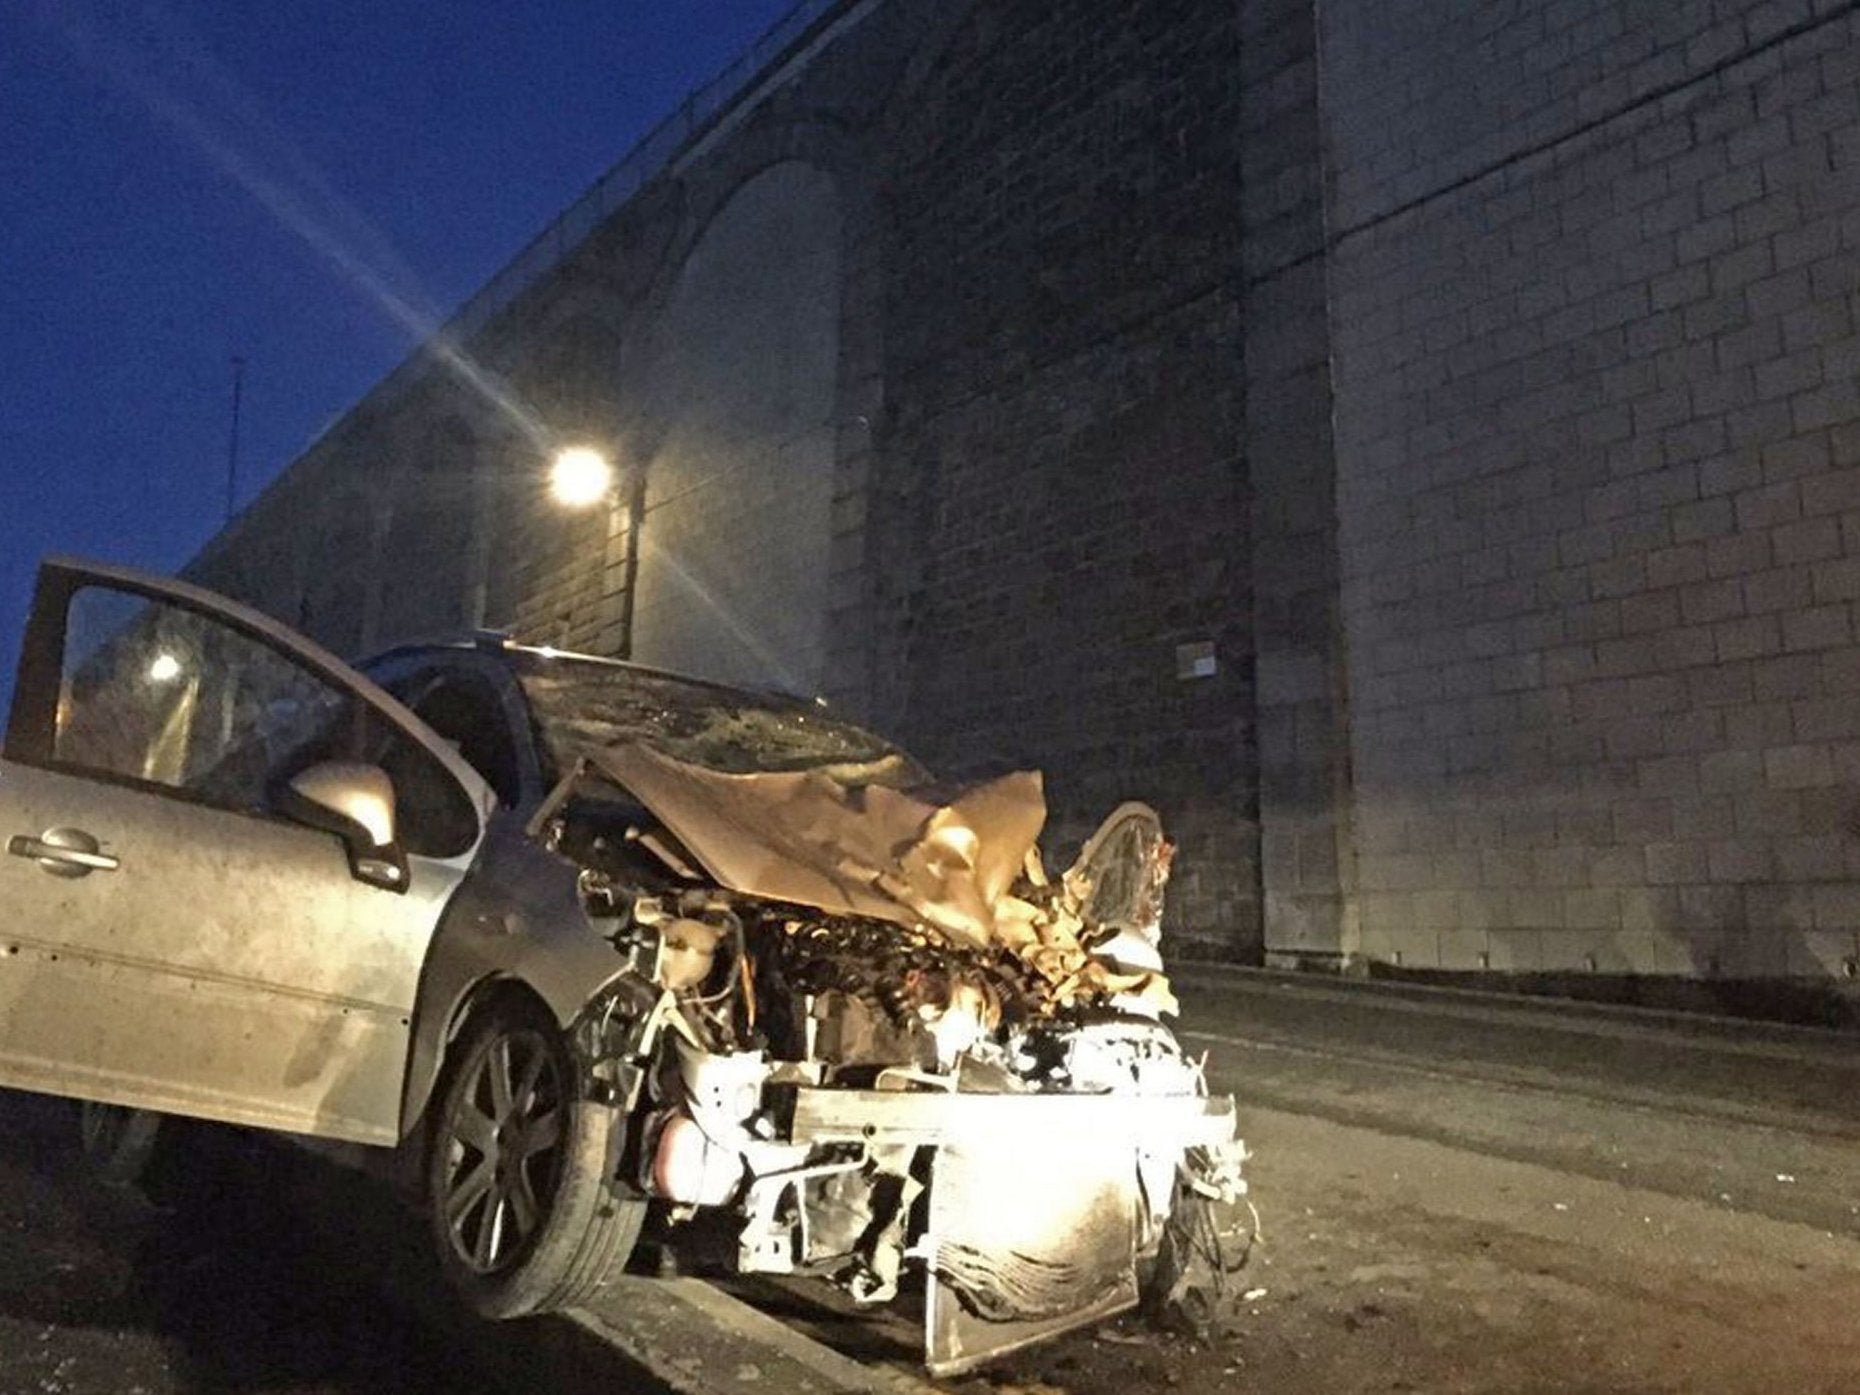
356	803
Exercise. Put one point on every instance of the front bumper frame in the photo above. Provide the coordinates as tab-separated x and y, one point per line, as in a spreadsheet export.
880	1118
1044	1192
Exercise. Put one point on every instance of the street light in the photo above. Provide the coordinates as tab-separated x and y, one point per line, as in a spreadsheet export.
580	476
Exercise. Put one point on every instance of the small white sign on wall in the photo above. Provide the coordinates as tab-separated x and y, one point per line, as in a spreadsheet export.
1195	660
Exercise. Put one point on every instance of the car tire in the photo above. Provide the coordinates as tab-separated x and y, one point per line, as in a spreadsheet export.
525	1214
118	1143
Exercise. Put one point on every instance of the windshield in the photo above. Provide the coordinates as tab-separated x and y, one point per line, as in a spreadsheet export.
582	706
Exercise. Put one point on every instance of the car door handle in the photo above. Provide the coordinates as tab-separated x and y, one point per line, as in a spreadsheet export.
64	852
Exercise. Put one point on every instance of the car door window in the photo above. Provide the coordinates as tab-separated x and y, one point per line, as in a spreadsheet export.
162	694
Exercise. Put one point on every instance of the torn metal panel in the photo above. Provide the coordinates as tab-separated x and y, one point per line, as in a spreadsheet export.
802	837
964	865
1125	865
1024	1245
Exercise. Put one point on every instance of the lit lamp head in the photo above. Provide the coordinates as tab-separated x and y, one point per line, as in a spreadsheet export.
580	476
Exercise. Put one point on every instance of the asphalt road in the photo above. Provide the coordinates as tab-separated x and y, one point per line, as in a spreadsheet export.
1759	1119
264	1270
103	1294
1457	1195
1461	1194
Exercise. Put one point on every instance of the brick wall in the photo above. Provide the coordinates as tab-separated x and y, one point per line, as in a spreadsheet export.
1593	283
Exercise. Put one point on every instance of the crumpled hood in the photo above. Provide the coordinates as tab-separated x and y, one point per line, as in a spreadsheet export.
955	861
911	857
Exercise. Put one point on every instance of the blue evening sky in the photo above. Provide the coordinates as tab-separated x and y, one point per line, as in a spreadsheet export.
183	181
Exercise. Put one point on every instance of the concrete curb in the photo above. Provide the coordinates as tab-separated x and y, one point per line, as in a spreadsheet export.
1204	975
699	1340
643	1336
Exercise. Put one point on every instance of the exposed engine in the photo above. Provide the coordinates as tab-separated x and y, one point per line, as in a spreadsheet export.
774	1019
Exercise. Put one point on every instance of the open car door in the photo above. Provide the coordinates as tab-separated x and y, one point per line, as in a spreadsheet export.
188	921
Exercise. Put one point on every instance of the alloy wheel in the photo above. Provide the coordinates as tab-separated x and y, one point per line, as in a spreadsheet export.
503	1140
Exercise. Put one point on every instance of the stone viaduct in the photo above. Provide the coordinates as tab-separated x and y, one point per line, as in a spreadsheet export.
1414	443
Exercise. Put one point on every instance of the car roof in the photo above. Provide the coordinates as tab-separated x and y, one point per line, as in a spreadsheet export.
495	644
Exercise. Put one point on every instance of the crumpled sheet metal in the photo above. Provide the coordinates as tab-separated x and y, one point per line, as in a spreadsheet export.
915	858
802	837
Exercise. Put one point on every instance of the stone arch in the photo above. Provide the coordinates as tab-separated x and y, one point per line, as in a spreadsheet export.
778	134
773	137
740	378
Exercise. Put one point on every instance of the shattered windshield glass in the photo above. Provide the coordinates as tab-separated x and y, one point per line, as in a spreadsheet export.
581	707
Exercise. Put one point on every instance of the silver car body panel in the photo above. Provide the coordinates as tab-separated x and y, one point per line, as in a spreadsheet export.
518	919
230	966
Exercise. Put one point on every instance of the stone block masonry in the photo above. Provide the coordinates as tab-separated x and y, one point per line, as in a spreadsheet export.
1062	448
1594	279
1413	443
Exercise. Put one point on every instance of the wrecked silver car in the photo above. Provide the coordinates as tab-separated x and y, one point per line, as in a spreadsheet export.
582	940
